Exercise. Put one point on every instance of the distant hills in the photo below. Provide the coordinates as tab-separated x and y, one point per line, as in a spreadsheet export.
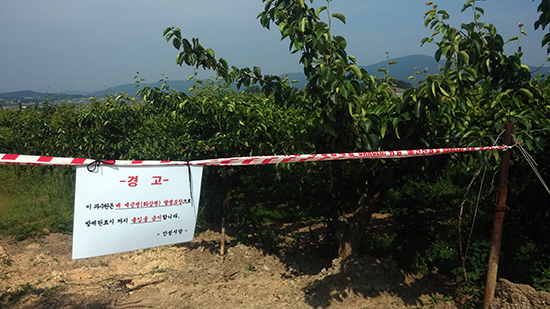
401	70
405	67
131	89
33	96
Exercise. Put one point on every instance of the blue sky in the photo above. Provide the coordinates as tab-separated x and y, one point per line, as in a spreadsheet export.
68	45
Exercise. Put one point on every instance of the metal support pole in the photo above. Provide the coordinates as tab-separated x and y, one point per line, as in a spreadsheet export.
499	218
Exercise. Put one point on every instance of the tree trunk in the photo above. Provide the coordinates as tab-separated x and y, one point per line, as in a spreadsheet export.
352	236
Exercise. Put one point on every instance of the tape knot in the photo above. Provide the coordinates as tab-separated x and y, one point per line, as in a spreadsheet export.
92	167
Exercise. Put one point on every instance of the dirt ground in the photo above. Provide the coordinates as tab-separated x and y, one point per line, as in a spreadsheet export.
39	273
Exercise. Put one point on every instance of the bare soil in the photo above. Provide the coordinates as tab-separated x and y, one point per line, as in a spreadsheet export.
39	273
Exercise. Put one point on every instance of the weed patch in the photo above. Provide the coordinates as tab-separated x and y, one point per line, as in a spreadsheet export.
36	200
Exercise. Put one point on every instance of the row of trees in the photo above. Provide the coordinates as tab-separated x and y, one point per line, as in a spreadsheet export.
477	91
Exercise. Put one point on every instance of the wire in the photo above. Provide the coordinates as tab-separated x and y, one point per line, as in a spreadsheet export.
532	163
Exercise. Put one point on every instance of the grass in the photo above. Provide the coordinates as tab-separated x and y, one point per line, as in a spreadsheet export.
24	289
35	200
158	271
6	260
101	264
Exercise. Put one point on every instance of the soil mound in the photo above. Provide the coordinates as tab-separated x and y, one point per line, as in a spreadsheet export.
510	295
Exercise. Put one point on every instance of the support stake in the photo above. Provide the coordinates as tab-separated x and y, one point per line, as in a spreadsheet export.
498	220
224	214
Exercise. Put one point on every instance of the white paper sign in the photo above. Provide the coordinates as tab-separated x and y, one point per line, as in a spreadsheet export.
120	209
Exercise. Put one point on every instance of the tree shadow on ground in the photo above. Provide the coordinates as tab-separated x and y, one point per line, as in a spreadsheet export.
300	246
369	277
60	299
306	248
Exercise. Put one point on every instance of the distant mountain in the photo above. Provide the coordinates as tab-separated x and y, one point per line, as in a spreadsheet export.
131	89
405	67
180	85
401	70
300	79
31	95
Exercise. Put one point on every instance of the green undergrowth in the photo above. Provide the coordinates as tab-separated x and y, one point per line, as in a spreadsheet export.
426	214
35	200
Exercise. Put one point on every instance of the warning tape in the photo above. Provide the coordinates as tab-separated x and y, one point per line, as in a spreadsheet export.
15	159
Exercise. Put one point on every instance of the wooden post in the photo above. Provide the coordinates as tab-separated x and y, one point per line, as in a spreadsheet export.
224	214
498	220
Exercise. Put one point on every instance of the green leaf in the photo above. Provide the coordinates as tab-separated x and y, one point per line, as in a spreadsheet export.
299	43
320	32
425	40
427	20
355	70
357	88
438	54
524	121
365	125
443	91
196	43
257	72
176	43
319	10
282	26
326	73
526	93
345	89
466	5
341	41
514	38
464	56
339	16
374	142
546	39
179	58
186	44
210	52
223	63
418	108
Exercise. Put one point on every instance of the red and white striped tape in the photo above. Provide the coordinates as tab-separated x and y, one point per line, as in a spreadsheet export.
14	159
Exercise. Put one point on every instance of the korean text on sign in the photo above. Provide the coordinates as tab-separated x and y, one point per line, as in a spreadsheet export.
120	209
